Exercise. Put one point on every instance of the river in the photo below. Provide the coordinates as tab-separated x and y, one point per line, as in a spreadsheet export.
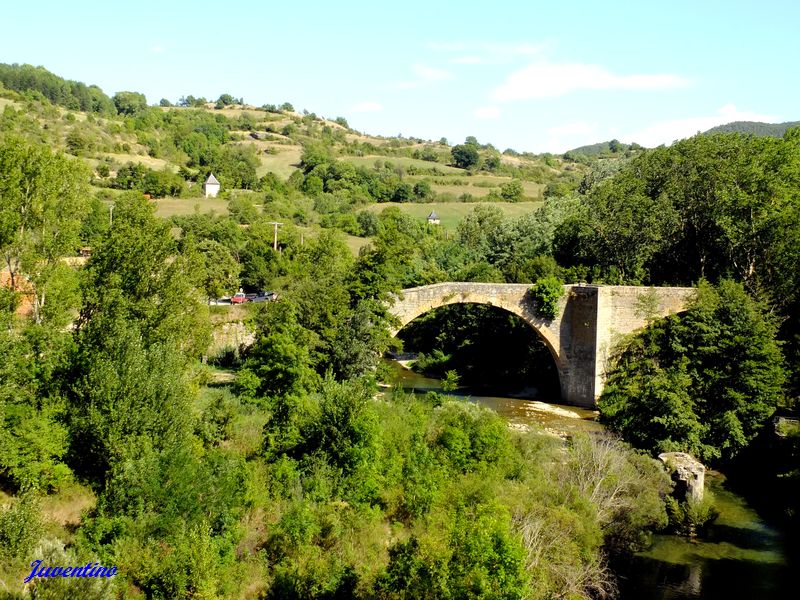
742	556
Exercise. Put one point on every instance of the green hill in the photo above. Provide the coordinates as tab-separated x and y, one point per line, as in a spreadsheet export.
607	149
755	128
304	167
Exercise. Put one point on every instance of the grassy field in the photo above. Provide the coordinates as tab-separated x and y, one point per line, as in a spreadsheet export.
282	164
355	243
368	161
148	161
451	213
6	102
168	207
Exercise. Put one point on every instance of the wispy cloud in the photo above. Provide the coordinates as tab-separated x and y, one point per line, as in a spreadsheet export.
423	75
365	107
469	59
550	80
666	132
487	112
561	138
157	49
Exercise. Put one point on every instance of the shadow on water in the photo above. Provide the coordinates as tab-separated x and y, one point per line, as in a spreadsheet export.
521	412
741	556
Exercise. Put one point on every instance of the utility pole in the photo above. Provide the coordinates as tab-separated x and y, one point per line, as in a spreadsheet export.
275	237
110	215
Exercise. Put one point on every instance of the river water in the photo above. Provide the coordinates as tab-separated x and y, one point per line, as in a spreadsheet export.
742	556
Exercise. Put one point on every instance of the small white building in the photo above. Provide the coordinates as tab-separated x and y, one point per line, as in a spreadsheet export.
433	218
211	187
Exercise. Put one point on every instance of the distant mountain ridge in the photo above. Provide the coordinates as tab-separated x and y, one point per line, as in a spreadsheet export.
754	127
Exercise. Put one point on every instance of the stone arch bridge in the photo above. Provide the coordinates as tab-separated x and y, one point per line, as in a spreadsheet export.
591	320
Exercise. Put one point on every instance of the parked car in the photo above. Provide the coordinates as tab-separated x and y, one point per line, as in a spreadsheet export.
238	298
264	297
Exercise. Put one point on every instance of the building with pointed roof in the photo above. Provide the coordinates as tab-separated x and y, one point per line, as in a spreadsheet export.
433	218
211	186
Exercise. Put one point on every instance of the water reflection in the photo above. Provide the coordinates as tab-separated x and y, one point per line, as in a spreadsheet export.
520	412
741	557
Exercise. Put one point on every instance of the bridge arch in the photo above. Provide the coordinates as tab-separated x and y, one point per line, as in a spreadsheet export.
515	300
590	321
419	301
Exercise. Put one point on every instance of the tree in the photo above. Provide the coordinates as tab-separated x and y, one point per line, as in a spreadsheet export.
129	103
404	192
705	382
136	275
44	198
423	191
220	269
130	397
368	221
281	361
465	156
33	436
512	191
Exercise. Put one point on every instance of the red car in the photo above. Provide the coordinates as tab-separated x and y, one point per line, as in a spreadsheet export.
238	298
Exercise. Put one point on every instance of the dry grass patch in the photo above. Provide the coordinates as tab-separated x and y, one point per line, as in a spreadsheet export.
157	164
451	213
169	207
6	102
67	507
283	164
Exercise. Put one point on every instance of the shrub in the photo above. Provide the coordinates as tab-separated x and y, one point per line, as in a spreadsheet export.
20	527
547	291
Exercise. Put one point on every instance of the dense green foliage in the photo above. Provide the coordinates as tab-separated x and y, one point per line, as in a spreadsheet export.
547	291
70	94
671	389
298	471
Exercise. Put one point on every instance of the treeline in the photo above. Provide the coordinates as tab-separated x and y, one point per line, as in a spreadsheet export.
73	95
754	128
721	209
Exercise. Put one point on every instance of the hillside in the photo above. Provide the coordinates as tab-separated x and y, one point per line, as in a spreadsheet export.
303	167
603	149
755	128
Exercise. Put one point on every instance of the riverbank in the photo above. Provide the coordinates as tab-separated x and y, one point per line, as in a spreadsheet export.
743	556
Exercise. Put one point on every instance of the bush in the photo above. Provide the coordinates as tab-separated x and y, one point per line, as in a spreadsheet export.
512	191
547	291
450	381
690	517
20	527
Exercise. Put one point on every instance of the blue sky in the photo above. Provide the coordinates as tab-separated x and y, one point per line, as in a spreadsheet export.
537	76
